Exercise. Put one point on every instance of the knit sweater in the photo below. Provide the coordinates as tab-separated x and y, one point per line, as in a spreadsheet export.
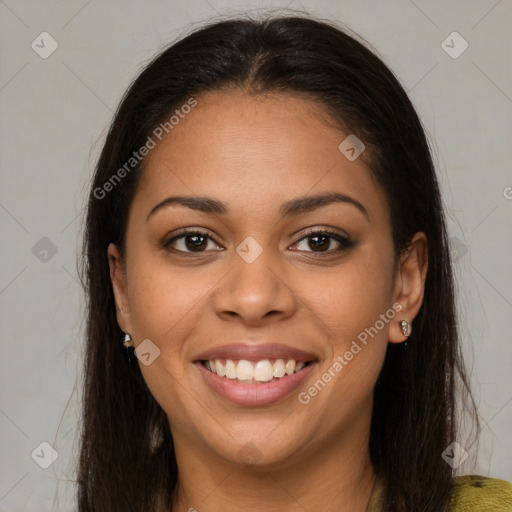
471	493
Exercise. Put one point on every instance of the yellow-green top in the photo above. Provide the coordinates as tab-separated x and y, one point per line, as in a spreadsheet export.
471	493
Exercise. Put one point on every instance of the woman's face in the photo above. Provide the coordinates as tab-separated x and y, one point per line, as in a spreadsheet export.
256	288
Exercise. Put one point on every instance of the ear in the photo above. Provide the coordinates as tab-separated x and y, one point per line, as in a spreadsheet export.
118	279
409	286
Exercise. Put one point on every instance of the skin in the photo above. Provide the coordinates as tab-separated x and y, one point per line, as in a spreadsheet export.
253	153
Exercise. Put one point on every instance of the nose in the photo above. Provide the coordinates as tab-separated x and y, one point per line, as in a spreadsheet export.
255	292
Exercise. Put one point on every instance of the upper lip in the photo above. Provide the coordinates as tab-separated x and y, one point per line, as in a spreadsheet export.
255	352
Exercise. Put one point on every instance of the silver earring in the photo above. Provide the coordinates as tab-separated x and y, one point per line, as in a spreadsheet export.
127	343
406	327
129	347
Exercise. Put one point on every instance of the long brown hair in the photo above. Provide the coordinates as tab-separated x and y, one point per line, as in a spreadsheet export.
127	457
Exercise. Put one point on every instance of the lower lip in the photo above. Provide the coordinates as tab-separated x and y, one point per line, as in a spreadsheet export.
254	394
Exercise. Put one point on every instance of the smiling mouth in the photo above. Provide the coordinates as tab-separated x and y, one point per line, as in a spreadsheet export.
254	372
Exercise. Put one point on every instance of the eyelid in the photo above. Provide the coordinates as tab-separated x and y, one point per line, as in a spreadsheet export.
303	232
183	232
191	231
328	230
334	233
337	234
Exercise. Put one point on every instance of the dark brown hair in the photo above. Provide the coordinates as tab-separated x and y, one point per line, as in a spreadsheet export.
127	457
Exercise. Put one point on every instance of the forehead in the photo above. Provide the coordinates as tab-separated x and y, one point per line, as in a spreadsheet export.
255	149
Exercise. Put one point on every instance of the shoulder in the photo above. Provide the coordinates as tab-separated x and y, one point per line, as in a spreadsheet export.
474	493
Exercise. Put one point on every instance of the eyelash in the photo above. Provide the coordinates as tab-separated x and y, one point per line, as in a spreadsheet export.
344	241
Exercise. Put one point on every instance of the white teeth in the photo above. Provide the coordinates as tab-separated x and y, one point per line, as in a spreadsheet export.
260	371
244	370
263	371
290	366
219	368
230	369
279	369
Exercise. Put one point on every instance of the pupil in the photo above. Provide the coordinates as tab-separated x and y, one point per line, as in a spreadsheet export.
321	245
197	244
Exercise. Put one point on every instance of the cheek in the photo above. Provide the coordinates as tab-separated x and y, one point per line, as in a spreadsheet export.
164	301
354	304
354	307
165	307
351	298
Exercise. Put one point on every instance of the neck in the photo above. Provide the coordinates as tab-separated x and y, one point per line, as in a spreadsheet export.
336	478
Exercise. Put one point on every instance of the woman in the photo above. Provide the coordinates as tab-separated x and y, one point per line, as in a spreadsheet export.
265	228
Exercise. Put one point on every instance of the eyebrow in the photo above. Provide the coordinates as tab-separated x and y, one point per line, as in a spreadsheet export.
297	206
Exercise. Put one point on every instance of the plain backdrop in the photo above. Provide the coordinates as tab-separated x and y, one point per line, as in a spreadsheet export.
54	114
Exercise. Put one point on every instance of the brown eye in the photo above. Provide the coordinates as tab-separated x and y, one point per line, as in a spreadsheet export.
322	242
191	241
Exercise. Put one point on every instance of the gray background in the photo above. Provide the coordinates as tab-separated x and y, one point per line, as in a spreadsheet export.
54	113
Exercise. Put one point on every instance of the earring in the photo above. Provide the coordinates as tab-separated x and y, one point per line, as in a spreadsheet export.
406	327
129	346
127	343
